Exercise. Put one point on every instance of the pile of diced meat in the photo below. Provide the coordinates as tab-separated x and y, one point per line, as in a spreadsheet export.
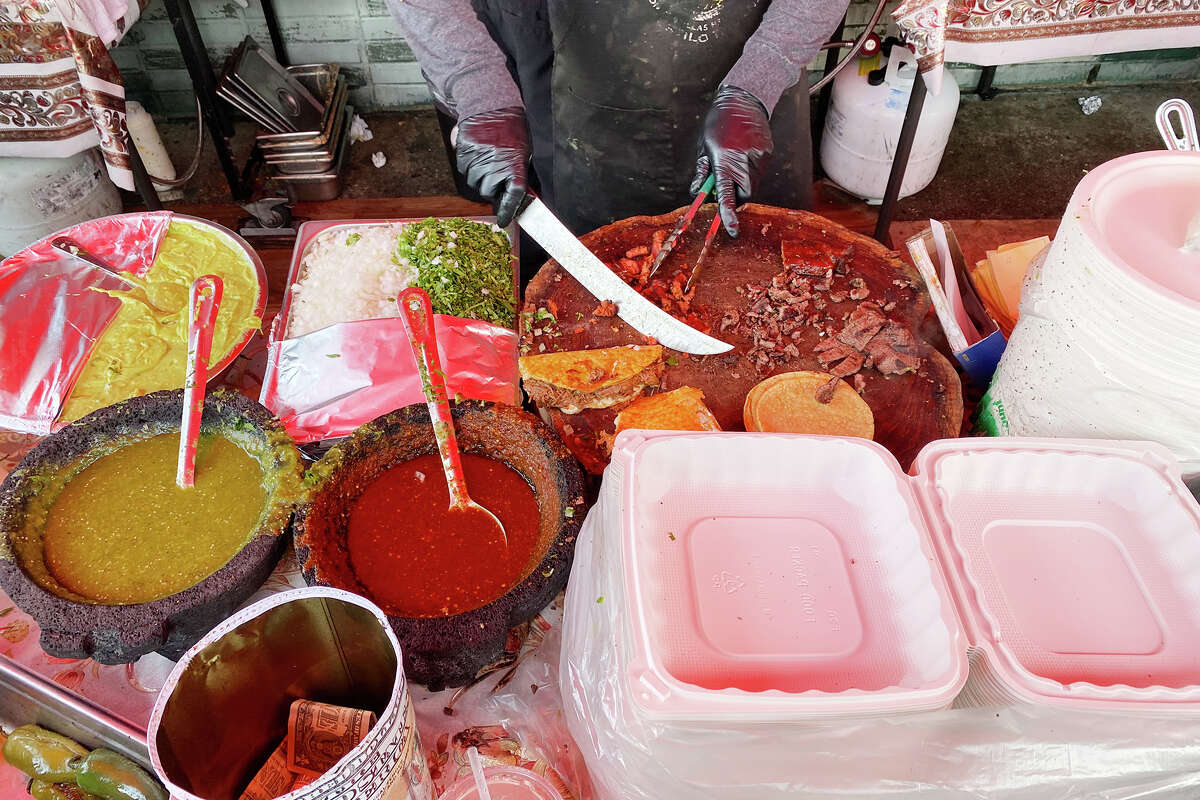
801	298
665	289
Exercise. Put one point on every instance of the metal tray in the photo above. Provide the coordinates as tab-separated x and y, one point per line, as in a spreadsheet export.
258	77
321	79
319	186
303	162
306	140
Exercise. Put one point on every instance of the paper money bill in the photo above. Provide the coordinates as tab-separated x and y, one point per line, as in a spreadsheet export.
273	779
319	734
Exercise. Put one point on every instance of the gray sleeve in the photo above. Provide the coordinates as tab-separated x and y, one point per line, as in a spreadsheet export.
465	68
776	55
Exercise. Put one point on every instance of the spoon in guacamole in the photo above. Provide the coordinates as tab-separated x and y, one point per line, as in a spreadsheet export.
140	293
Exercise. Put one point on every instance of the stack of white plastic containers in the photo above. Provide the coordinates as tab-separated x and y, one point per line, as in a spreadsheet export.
731	591
1106	343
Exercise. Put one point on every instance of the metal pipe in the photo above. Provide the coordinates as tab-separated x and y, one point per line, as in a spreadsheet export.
822	106
141	178
268	8
912	115
985	89
858	43
204	82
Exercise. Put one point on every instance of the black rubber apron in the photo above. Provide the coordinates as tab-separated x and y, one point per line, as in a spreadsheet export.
631	83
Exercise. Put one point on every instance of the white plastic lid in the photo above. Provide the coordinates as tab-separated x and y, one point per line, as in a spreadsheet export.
1137	208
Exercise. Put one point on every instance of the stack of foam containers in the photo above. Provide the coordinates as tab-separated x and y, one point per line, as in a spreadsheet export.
1106	342
748	582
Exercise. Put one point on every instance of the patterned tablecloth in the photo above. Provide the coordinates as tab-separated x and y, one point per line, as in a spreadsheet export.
993	32
60	92
512	714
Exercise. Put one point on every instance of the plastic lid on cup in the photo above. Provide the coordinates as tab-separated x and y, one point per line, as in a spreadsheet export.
505	783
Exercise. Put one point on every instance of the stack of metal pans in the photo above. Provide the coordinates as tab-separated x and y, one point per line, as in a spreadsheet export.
305	115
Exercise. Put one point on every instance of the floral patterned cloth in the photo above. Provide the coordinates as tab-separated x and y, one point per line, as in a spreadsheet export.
60	92
993	32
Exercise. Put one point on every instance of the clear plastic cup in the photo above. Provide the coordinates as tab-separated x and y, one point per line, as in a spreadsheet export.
505	783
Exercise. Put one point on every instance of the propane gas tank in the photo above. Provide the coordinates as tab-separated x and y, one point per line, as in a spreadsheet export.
866	112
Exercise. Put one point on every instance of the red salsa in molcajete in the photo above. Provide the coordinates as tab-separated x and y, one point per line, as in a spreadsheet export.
419	559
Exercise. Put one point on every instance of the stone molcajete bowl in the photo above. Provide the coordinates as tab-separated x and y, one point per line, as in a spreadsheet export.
73	627
452	650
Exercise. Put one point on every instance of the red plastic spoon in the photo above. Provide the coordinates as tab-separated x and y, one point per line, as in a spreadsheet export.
203	304
417	313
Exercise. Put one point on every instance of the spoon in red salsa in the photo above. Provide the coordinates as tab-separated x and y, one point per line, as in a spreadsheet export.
417	313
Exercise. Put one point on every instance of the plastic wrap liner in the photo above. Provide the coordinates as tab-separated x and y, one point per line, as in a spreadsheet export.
1021	751
326	383
50	317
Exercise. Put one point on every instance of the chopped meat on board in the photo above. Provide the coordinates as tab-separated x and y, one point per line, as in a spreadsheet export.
864	322
894	350
825	391
606	309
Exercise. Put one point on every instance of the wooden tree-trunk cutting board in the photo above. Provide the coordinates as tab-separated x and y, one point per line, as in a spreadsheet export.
910	410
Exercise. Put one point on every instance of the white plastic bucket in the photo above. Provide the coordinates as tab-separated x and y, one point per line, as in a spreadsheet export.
1106	343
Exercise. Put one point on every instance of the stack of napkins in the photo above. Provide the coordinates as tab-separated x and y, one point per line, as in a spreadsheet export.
998	279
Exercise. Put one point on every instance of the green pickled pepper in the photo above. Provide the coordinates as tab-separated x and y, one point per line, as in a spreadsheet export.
43	754
112	776
44	790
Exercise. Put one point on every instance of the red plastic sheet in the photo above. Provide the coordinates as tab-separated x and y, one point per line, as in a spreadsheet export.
326	383
50	318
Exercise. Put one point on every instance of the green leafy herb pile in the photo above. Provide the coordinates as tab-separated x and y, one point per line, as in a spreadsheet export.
465	266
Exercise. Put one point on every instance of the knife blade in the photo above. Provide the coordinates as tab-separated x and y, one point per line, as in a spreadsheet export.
539	222
684	222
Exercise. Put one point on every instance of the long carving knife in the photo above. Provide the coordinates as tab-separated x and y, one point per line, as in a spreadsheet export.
539	222
684	222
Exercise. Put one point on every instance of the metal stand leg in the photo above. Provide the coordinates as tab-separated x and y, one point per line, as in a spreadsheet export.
141	178
268	7
985	89
822	107
908	131
205	84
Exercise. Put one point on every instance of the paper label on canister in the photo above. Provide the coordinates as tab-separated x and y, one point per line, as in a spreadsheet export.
991	419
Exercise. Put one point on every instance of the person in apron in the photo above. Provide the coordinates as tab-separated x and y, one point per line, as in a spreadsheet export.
625	106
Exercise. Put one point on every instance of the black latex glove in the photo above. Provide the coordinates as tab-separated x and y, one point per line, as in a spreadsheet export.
492	152
735	144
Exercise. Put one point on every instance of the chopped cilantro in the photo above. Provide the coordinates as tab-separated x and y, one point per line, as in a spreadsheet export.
465	266
570	512
600	599
672	361
353	238
333	355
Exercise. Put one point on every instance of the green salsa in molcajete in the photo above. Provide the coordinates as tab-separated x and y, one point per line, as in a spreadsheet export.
120	530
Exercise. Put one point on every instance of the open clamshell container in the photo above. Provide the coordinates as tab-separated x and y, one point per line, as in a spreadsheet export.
772	577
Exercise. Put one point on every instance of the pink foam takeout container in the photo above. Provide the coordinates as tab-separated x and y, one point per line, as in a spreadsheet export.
799	577
326	383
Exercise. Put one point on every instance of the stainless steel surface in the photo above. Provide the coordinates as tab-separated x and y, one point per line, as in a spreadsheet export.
254	71
26	697
321	185
320	79
650	320
67	245
307	161
305	140
255	114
